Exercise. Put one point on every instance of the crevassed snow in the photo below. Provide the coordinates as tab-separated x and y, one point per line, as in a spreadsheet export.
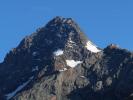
35	69
58	52
73	63
64	69
91	47
12	94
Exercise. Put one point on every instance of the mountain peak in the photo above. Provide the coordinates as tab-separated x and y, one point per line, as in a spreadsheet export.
59	46
59	33
63	23
59	62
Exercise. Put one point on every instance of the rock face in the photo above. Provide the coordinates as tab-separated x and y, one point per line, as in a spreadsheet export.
58	62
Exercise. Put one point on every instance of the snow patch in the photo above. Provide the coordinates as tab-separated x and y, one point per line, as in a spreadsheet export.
64	69
73	63
12	94
91	47
58	52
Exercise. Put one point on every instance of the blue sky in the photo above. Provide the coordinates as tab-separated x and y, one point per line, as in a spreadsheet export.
104	21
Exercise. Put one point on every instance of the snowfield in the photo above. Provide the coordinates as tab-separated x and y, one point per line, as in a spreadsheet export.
73	63
91	47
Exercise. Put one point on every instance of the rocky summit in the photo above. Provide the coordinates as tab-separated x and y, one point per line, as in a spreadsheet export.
58	62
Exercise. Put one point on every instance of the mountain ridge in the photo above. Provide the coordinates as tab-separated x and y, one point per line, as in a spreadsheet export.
58	62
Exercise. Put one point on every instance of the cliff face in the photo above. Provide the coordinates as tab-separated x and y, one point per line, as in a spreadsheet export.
58	62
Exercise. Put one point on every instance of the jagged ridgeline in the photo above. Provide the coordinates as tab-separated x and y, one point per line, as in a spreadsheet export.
58	62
